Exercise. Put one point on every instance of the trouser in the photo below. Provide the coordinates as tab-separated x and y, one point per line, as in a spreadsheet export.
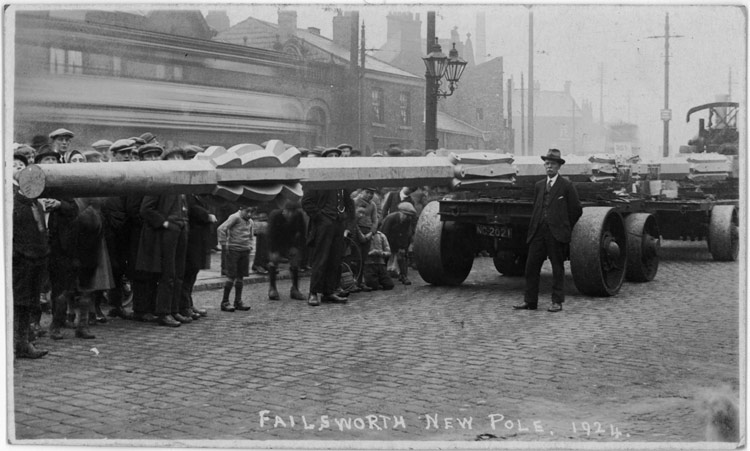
169	291
188	282
544	245
261	251
145	285
376	276
118	246
326	256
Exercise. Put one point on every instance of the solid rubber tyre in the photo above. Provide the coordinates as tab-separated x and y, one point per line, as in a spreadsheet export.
443	251
598	252
723	233
643	247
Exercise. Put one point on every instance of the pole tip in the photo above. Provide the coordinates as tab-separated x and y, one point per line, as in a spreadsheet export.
31	181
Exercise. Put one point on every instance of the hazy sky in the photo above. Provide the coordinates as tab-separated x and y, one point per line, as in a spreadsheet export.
571	42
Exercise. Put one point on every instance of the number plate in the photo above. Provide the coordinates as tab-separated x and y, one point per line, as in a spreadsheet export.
494	231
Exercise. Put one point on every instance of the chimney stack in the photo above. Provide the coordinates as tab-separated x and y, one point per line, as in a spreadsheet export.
287	25
346	34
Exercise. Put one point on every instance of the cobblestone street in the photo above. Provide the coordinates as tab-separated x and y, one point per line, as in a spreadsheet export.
417	363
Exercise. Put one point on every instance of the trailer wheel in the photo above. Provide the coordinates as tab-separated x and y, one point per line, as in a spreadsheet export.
598	252
509	263
724	233
443	251
643	247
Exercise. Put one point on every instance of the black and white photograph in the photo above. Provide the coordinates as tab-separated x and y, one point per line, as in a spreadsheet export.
375	225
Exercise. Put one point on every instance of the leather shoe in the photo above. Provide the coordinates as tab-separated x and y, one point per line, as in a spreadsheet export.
524	306
182	319
145	317
167	320
365	288
83	333
556	307
119	313
193	314
241	306
200	311
312	300
226	307
55	333
28	351
335	299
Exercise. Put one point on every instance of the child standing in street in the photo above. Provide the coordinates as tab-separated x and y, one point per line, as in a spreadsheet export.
376	274
235	237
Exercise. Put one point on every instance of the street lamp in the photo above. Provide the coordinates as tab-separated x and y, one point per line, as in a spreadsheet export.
440	66
440	69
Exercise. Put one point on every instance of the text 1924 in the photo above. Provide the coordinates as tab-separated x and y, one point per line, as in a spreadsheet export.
596	428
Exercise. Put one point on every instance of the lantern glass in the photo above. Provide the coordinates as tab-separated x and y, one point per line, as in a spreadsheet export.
435	63
455	66
454	69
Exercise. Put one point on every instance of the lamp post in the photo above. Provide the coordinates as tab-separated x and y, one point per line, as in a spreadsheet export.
440	69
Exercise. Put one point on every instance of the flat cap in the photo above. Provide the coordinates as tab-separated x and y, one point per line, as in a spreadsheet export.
150	148
102	144
148	137
344	146
92	156
173	151
331	150
122	145
61	132
407	208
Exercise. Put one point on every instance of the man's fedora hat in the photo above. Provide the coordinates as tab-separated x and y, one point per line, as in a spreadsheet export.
553	155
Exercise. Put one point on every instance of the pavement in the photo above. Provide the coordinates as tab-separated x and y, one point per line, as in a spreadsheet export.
419	366
211	279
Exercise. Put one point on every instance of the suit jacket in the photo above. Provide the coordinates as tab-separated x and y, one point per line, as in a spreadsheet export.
564	209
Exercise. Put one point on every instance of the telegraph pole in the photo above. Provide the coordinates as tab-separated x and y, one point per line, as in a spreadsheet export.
531	82
430	122
523	130
511	138
666	113
361	86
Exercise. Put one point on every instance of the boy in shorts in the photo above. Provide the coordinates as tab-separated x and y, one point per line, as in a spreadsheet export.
235	237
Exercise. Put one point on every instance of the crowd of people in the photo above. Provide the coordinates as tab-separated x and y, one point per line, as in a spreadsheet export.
73	255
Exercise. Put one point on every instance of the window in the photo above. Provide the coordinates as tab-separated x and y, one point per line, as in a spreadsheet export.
62	62
161	71
405	108
75	62
56	61
377	105
480	114
177	73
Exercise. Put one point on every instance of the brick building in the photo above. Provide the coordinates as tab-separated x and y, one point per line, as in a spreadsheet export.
114	74
376	107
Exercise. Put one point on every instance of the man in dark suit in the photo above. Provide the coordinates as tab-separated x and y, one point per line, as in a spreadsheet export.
331	213
556	211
